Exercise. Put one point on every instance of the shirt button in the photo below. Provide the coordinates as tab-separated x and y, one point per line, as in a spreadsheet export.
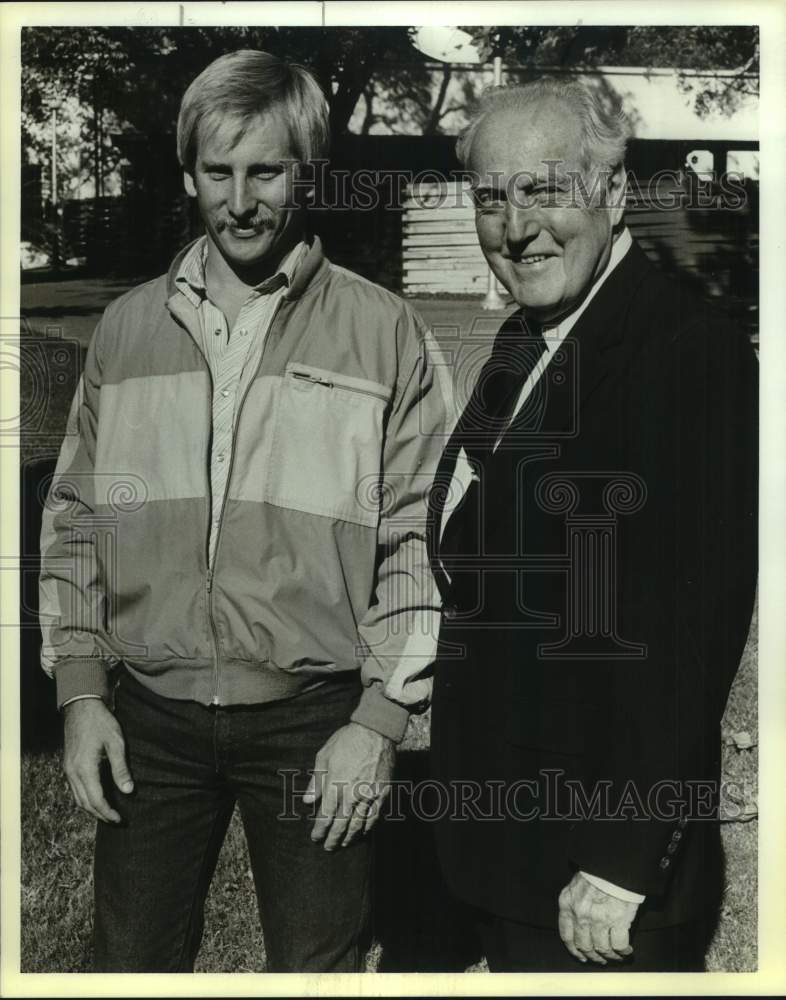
225	393
217	333
242	331
220	458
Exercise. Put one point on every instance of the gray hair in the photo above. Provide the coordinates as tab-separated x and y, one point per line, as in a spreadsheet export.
244	84
605	131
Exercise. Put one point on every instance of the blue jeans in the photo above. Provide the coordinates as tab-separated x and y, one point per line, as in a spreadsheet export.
191	764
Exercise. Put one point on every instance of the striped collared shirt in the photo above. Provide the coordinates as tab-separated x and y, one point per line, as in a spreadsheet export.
232	355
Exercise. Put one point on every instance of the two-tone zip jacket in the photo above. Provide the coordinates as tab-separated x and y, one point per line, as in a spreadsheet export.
320	562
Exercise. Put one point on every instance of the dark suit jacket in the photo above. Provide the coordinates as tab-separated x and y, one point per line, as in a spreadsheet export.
602	575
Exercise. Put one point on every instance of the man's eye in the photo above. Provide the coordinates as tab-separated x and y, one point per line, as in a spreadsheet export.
486	198
217	175
266	175
550	195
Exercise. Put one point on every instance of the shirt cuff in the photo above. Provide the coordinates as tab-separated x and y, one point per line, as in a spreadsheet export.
75	677
379	713
613	890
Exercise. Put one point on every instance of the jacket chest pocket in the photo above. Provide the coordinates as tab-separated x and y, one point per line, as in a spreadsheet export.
327	444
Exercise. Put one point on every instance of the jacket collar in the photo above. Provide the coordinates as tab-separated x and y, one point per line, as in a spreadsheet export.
602	324
310	272
601	334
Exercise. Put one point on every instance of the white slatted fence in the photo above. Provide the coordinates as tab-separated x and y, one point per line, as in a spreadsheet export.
440	250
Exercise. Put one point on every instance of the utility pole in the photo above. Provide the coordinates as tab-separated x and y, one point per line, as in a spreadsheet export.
55	262
492	299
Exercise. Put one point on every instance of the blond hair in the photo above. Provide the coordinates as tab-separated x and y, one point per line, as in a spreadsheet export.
240	86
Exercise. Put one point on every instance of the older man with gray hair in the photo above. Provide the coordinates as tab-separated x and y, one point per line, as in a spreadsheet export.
594	538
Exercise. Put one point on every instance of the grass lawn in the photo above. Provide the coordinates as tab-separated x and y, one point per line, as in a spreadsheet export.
57	845
415	927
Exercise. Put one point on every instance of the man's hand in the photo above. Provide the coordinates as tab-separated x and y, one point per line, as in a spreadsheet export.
352	775
594	924
92	733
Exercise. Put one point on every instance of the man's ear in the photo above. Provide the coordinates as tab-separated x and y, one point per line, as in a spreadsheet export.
188	184
617	187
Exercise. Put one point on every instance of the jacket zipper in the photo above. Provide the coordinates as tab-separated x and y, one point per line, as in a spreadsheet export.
211	567
328	384
209	576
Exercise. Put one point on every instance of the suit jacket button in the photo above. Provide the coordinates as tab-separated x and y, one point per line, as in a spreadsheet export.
664	863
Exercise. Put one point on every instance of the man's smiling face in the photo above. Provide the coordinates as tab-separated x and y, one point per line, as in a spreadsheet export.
542	242
243	187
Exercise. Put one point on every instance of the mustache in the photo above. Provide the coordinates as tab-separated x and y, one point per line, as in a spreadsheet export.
258	222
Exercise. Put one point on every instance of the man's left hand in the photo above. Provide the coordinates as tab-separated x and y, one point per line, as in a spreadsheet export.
352	774
593	924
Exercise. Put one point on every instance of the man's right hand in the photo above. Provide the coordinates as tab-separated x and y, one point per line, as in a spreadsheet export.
92	733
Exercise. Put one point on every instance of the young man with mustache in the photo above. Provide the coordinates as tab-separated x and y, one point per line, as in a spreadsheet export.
599	571
238	499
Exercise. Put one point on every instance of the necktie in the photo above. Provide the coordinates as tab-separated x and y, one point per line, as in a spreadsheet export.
517	350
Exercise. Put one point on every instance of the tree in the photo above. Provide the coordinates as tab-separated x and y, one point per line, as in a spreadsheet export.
83	70
122	69
684	48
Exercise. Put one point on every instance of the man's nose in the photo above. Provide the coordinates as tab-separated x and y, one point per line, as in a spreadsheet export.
242	201
522	225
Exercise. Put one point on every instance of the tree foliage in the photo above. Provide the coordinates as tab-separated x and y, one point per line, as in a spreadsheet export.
132	78
136	76
688	49
141	73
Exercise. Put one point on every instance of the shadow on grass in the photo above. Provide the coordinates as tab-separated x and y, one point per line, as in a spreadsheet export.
41	725
419	925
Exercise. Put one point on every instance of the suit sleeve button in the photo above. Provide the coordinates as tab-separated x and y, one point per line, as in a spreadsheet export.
664	863
671	848
677	835
450	611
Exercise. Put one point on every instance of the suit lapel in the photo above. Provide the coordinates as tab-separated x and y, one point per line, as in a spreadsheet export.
594	350
599	346
437	501
599	333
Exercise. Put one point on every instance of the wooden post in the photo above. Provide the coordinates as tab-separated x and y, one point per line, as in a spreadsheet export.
492	298
55	262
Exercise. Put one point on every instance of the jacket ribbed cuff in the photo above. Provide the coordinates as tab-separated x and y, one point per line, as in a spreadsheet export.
75	677
379	713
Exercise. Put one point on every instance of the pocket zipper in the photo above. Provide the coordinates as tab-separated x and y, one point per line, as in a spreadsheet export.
314	379
317	380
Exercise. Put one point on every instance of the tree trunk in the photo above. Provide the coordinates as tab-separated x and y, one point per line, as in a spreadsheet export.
432	123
